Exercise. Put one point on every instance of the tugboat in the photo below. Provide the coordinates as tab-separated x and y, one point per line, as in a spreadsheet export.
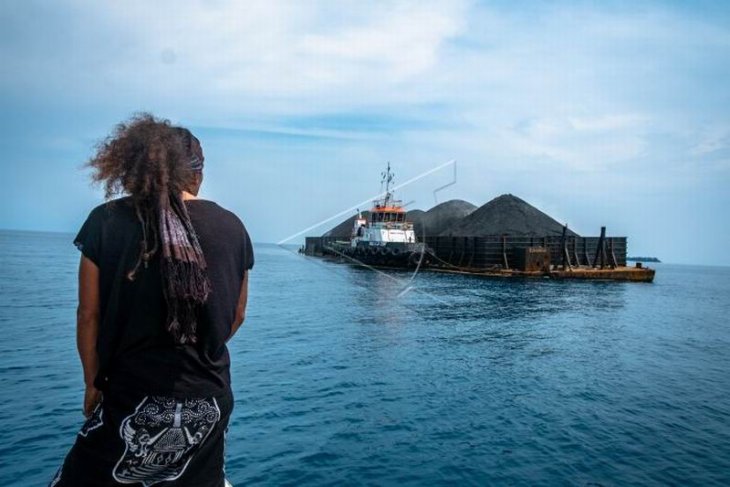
386	237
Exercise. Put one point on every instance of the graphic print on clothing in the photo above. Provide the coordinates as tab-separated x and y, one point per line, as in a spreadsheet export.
161	436
95	420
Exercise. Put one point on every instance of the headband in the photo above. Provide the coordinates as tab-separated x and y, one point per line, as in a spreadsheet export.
196	163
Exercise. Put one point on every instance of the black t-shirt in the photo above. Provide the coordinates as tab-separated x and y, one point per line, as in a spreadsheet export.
135	351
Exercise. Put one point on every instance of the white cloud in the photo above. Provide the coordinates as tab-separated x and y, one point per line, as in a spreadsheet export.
712	140
603	123
581	143
541	93
261	57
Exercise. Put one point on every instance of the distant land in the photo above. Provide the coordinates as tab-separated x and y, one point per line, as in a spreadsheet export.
644	259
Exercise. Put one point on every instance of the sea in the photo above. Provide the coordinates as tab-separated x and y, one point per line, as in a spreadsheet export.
350	376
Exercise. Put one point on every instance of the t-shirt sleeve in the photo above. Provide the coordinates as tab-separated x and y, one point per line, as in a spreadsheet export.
247	250
88	240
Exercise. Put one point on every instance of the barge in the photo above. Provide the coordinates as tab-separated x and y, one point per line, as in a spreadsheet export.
384	237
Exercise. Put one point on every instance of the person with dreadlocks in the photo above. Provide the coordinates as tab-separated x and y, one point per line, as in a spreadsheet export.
163	285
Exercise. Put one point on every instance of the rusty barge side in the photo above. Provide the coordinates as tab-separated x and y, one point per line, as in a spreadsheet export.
554	256
620	273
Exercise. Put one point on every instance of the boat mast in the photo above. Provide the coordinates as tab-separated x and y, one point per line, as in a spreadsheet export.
387	178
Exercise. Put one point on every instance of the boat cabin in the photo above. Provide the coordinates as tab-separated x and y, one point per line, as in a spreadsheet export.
387	214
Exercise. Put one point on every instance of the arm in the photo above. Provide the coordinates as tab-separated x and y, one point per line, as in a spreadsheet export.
87	329
241	307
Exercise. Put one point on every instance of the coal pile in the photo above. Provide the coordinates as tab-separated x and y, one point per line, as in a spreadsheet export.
440	217
344	229
506	215
415	217
432	222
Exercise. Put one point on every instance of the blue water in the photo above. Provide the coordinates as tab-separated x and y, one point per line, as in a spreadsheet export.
339	381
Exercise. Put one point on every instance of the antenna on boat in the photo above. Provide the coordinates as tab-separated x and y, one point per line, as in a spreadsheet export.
387	178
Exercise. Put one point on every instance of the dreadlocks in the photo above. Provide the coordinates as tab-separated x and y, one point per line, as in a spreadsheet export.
154	162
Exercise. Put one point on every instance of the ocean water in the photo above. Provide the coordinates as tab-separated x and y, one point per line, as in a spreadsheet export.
344	376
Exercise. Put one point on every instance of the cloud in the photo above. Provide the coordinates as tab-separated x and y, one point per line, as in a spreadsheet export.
395	47
582	87
258	57
581	143
525	96
712	140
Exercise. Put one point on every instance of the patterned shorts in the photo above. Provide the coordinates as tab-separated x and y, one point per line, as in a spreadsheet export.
145	440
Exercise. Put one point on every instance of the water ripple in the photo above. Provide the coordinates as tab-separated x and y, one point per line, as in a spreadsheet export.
337	382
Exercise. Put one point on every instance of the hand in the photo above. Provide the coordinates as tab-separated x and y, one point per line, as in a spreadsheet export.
92	397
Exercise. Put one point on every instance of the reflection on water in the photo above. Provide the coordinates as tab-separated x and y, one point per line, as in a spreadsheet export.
460	297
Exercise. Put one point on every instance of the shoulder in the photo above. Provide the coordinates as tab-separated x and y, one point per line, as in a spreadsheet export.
94	233
110	214
211	209
111	207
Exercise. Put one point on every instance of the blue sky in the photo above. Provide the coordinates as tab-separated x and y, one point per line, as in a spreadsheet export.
599	113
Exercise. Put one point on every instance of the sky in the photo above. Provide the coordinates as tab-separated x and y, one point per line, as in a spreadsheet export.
598	113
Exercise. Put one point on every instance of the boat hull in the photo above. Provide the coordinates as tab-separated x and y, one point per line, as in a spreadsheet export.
390	254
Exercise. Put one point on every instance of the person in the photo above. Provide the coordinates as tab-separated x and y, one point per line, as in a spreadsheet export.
163	285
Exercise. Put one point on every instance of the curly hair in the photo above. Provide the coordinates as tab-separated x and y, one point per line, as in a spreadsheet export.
153	162
143	157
